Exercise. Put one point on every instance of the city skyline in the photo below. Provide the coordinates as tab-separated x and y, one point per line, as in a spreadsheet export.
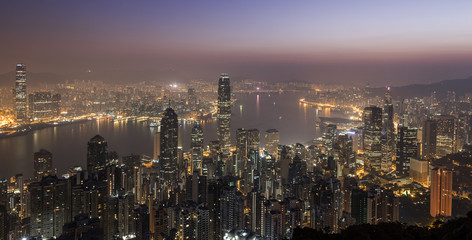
235	120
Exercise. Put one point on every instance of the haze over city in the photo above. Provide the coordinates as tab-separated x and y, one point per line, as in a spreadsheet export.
335	42
235	120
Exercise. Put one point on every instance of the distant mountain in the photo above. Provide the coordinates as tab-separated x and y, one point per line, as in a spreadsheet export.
460	86
34	80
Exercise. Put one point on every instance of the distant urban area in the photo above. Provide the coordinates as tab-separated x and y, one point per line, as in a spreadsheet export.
381	156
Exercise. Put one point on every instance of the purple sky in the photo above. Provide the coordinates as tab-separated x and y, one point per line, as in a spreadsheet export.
380	42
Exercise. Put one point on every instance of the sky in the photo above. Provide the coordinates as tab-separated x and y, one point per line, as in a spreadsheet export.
339	42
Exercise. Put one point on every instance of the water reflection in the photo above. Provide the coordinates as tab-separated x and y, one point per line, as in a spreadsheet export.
69	143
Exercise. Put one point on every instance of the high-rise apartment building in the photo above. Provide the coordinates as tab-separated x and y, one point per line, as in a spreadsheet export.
42	164
419	171
441	192
272	139
50	207
43	106
406	149
97	154
20	93
224	113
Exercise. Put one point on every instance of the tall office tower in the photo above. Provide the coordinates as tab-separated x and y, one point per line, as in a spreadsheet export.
388	131
429	135
329	138
169	145
20	93
272	139
372	137
50	208
407	147
419	171
197	148
97	154
441	192
446	138
224	113
253	140
156	145
241	143
346	157
42	164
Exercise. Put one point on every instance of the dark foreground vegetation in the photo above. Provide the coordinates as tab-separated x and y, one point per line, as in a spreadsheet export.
454	229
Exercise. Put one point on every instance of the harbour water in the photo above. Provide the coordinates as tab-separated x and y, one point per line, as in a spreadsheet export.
68	143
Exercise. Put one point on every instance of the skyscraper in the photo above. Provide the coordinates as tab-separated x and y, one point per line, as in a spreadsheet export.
441	192
446	138
42	164
272	139
169	145
388	131
253	140
406	149
50	207
20	93
97	154
419	171
224	113
372	137
241	143
156	145
429	133
197	148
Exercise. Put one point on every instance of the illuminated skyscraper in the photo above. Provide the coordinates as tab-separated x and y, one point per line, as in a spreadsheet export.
388	131
419	171
406	149
446	138
272	139
372	137
241	143
20	93
441	192
224	113
197	148
97	154
169	145
42	164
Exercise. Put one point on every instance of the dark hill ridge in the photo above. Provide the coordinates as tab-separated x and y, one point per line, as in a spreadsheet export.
460	86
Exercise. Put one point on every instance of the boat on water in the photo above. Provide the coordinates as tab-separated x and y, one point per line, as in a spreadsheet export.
153	124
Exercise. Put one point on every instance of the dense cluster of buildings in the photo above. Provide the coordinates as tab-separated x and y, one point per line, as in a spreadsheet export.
242	190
